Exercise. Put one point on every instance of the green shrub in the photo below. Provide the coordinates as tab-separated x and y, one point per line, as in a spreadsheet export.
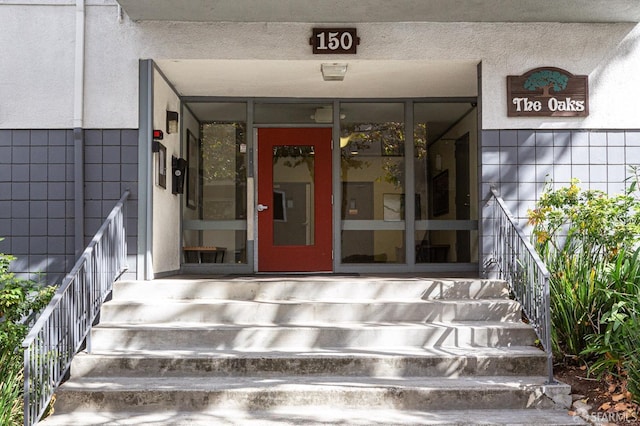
589	241
575	303
11	389
579	235
18	299
614	347
632	362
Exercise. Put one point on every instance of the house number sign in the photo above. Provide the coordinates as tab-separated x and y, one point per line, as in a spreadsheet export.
334	41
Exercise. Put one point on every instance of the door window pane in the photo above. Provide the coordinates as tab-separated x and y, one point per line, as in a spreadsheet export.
293	196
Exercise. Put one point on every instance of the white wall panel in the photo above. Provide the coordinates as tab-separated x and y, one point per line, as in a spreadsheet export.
36	66
166	205
411	59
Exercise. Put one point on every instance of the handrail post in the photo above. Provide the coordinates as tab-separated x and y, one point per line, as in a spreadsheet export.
547	325
26	397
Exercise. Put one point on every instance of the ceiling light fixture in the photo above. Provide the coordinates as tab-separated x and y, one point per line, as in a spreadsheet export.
333	72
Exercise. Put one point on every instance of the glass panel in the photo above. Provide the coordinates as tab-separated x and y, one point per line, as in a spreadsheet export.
294	113
224	173
372	139
373	247
446	246
217	246
445	138
219	111
293	196
434	246
216	207
420	169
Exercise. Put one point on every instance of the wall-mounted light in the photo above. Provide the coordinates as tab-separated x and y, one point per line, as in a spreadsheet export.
333	72
172	122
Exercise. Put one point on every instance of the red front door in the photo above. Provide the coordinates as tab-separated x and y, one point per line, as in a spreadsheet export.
294	200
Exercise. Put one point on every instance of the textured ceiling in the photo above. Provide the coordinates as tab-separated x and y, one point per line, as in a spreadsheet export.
354	11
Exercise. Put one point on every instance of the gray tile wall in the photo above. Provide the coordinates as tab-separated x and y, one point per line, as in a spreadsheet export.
37	194
37	190
519	163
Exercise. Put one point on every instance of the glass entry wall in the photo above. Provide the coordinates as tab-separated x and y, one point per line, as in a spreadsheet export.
382	151
372	170
215	210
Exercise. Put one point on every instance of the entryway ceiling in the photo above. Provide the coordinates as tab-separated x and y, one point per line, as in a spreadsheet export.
303	78
354	11
370	79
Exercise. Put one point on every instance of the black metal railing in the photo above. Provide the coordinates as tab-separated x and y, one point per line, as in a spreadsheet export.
520	265
64	325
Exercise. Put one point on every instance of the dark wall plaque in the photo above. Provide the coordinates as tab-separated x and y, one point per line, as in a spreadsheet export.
334	41
547	92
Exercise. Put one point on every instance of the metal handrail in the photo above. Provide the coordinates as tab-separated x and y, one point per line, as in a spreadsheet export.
64	324
520	265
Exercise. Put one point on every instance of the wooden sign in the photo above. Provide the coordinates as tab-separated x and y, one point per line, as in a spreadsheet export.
547	92
334	41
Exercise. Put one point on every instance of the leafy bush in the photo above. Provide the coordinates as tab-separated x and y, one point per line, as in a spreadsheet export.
19	298
579	235
632	362
589	241
10	389
615	348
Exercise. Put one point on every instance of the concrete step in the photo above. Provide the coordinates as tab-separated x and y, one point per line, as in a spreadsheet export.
287	350
355	362
284	416
304	312
307	288
204	336
202	394
315	415
311	350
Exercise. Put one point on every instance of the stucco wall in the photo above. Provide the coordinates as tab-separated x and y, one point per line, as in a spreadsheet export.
189	124
36	70
38	53
166	205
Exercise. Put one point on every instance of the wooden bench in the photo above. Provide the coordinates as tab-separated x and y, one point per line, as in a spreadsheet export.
208	254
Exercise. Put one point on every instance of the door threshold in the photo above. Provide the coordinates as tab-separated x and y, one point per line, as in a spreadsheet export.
296	274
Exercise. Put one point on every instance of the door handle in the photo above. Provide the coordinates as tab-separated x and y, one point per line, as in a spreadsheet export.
261	207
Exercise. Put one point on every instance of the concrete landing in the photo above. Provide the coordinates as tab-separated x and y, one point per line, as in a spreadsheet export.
286	416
